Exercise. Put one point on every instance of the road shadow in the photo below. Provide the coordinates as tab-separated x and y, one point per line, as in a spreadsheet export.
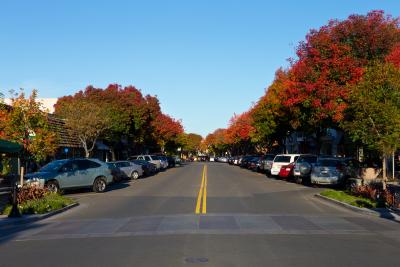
114	186
12	231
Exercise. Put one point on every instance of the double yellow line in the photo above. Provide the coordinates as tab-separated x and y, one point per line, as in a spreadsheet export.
201	205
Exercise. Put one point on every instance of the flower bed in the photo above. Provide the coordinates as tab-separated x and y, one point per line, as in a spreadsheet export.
32	200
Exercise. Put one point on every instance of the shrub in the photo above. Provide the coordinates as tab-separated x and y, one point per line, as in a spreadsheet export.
391	199
50	202
376	193
366	191
28	192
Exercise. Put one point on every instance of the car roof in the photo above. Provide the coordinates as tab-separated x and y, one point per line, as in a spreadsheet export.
330	158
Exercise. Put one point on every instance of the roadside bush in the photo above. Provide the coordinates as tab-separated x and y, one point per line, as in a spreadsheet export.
391	199
366	191
27	193
384	198
50	202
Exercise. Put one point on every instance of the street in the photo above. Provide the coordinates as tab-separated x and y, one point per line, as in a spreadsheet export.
248	220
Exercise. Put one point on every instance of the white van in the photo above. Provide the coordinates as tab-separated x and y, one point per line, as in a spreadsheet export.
282	160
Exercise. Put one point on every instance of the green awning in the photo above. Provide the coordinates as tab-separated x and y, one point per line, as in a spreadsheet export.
9	147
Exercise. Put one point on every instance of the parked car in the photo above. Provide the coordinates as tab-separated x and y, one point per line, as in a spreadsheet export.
329	171
150	158
245	160
129	169
266	163
147	167
117	173
73	173
286	171
281	160
164	162
171	161
178	160
254	163
303	167
223	159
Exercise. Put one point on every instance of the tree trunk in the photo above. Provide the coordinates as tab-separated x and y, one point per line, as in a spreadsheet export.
87	153
113	157
384	176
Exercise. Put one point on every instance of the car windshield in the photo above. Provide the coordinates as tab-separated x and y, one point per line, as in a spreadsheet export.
53	166
307	159
282	159
328	162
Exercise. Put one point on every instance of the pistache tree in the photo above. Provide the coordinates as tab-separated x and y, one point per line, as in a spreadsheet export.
25	122
373	116
84	117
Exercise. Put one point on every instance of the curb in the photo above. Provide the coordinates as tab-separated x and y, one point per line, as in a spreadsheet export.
25	219
378	212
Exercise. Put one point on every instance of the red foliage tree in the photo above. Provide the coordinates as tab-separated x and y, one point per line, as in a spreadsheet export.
166	129
240	128
330	61
394	56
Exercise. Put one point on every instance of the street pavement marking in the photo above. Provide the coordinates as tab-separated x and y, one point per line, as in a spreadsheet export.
204	210
227	224
202	196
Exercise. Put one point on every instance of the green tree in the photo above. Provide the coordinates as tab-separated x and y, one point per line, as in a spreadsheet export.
84	118
374	113
271	119
190	142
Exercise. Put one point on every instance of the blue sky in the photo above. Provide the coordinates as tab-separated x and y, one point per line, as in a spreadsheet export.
205	60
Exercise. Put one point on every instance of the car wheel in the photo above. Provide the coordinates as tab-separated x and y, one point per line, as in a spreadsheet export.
134	175
53	187
99	185
298	180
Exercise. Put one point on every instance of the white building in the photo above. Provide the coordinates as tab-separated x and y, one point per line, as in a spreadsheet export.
47	103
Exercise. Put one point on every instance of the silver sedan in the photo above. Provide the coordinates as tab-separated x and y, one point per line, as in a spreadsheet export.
130	169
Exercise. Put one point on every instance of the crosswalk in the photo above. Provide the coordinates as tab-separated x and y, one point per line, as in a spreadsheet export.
230	224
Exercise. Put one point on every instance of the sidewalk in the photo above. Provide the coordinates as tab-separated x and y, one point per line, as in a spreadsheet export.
383	213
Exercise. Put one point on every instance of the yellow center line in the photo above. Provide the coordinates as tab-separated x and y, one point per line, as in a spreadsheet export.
202	193
204	210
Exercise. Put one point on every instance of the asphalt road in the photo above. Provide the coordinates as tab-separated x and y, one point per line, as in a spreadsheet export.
245	219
